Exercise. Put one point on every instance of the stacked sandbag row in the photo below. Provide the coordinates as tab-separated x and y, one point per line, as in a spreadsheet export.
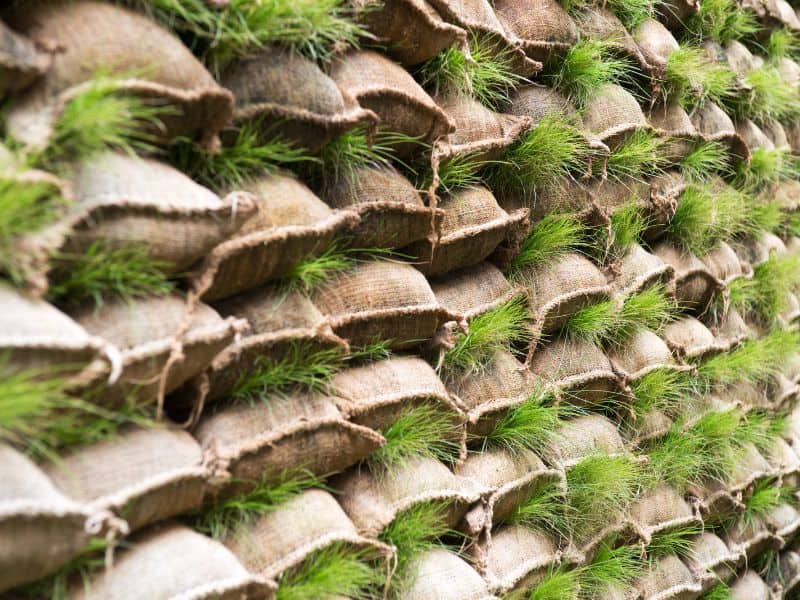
467	403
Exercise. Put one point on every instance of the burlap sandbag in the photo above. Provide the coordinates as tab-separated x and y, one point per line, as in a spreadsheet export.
641	354
40	529
724	265
782	393
784	460
689	339
578	369
675	13
758	250
716	126
474	291
749	586
774	13
97	36
21	62
122	200
375	395
710	560
784	520
545	28
141	475
441	575
786	193
582	437
281	323
290	97
668	579
487	394
694	284
148	332
751	538
516	558
661	509
656	43
479	130
599	23
637	270
793	133
611	195
673	123
784	580
564	196
382	301
388	90
776	134
411	30
290	223
35	336
639	428
665	192
750	468
392	213
753	136
511	478
283	538
473	225
297	430
612	114
560	288
172	561
789	70
374	500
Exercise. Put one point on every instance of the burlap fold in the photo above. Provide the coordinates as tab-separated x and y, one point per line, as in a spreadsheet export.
442	575
668	579
545	28
474	290
21	62
710	560
695	285
661	509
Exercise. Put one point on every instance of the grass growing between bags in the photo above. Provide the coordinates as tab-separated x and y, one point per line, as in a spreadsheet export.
767	495
705	160
766	295
770	97
533	425
675	542
586	67
456	173
706	215
782	43
722	21
103	272
558	584
721	591
495	330
765	167
627	225
487	74
611	568
57	586
631	12
553	236
692	78
543	510
425	430
554	149
335	571
231	516
24	208
639	157
661	389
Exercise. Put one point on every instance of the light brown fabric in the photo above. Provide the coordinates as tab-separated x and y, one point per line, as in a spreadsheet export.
95	36
21	62
639	269
40	529
142	475
599	23
688	338
292	98
695	285
751	539
753	136
668	579
731	329
723	263
298	430
289	225
750	586
642	353
774	13
785	579
544	27
710	561
656	43
175	562
612	114
661	509
716	126
757	250
441	575
582	437
473	291
286	536
672	122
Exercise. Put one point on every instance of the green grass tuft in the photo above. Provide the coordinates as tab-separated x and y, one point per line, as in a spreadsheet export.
767	495
558	584
706	159
765	167
247	156
599	488
611	568
596	322
763	429
488	333
628	223
543	510
333	572
676	542
721	591
304	366
722	21
425	430
554	149
770	97
766	216
456	173
585	68
706	215
638	157
415	531
533	425
550	238
24	208
103	272
765	296
692	78
782	43
487	74
58	586
232	516
660	389
632	13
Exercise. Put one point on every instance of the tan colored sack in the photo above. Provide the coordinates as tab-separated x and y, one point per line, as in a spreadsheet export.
172	561
786	577
578	369
474	291
776	134
716	126
21	62
749	586
516	558
695	285
751	539
731	329
545	28
641	354
40	529
299	430
391	211
710	561
613	114
637	270
790	71
374	500
689	339
784	521
599	23
661	509
753	136
283	538
774	13
668	579
147	332
582	437
98	36
123	200
441	575
758	250
724	265
410	30
472	227
486	395
656	43
290	97
141	475
382	301
673	123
